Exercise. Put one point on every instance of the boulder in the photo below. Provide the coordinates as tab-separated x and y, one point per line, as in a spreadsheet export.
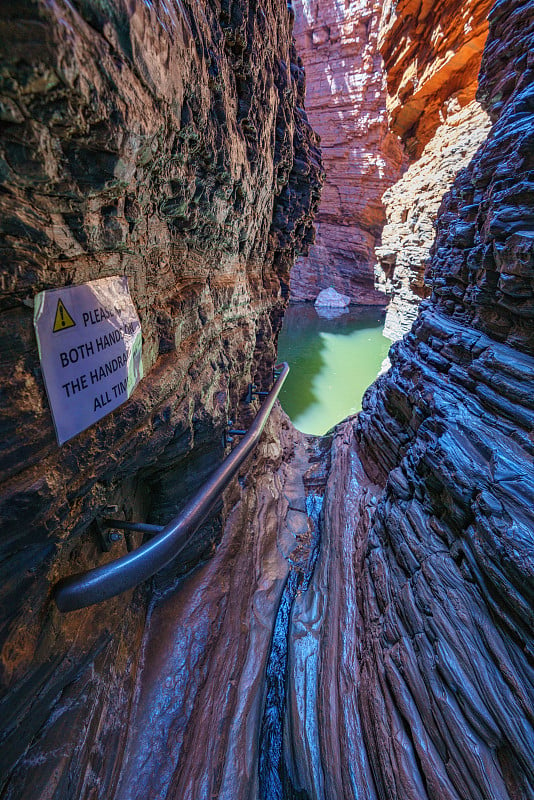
329	298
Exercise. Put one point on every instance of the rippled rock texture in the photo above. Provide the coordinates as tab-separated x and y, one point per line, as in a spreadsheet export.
346	101
168	143
200	699
421	660
407	670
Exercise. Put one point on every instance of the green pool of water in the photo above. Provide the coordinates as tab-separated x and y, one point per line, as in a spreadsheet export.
333	361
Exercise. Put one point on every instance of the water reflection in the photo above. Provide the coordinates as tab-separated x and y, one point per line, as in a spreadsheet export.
333	360
327	312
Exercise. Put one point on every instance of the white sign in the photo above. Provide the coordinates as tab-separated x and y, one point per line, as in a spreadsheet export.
90	346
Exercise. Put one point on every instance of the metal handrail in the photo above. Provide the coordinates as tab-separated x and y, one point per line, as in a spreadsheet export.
85	588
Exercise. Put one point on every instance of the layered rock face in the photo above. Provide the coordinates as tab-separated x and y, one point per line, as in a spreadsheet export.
168	143
411	210
449	567
420	661
431	52
431	58
346	100
201	704
371	223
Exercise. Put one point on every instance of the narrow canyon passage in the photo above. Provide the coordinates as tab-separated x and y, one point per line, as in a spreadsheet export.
200	694
354	620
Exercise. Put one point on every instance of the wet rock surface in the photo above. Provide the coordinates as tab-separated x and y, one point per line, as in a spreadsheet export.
168	143
198	707
446	691
346	101
324	748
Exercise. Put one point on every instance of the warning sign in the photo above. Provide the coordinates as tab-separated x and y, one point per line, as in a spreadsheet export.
63	318
91	354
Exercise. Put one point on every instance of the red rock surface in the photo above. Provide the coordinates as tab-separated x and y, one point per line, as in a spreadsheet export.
431	51
432	57
346	102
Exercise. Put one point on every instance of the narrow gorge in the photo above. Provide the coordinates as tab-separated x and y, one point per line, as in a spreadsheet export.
354	620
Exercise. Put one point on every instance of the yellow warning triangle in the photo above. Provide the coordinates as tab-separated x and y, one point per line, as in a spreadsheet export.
63	319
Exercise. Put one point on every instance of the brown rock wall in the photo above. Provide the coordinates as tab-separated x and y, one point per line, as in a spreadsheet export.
346	101
187	695
168	143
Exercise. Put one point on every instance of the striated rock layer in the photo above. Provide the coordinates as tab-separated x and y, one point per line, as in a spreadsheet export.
411	210
414	678
431	56
186	723
346	100
166	142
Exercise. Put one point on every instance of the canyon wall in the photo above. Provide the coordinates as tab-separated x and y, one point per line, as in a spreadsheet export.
431	59
346	101
166	143
397	663
390	87
413	678
431	53
411	210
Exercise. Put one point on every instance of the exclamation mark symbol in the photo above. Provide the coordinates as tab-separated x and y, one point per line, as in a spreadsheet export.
62	319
